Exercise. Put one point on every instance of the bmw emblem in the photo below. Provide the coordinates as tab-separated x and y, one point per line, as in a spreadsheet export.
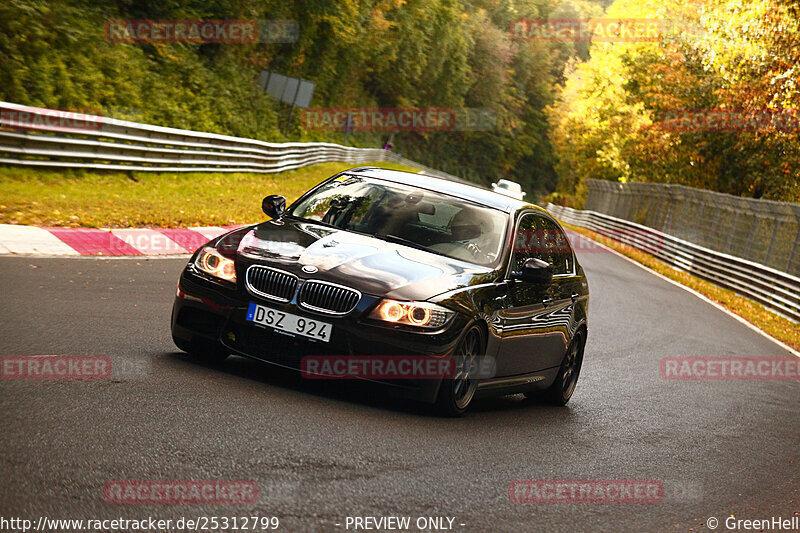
309	269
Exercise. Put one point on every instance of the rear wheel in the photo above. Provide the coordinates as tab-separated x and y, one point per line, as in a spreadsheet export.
456	393
204	350
562	388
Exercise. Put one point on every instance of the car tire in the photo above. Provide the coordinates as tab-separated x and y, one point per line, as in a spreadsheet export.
563	387
203	350
455	394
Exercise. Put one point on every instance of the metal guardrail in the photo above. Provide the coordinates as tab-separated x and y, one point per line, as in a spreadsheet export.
33	136
775	290
763	231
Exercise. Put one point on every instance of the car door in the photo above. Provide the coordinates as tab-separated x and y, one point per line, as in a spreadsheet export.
536	318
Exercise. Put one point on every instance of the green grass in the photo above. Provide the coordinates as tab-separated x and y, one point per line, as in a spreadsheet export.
776	326
147	199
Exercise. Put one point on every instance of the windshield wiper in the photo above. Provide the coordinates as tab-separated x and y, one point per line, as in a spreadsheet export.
328	225
311	221
400	240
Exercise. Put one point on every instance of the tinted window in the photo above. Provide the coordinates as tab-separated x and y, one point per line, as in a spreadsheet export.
557	249
543	239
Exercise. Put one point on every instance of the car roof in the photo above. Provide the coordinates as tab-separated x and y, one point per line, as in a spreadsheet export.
463	190
510	185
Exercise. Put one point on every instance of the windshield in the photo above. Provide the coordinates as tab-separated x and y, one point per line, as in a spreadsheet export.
420	218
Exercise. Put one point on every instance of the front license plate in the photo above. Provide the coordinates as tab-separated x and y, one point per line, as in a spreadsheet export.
296	325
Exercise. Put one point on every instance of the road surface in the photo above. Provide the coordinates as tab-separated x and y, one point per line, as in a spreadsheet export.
321	452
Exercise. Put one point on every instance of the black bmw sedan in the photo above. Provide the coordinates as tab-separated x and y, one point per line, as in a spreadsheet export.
381	265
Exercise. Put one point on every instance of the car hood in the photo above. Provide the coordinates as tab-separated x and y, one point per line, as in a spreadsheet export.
368	264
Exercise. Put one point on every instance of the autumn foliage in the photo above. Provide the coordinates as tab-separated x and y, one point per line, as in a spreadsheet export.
615	116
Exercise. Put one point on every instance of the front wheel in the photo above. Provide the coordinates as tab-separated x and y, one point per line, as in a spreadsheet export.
456	393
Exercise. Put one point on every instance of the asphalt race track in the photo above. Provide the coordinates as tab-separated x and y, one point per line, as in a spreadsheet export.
321	452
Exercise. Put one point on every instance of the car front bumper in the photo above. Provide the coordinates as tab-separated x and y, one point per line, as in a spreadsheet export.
208	311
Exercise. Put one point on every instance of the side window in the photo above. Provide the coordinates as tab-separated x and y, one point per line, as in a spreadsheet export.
541	238
526	243
556	246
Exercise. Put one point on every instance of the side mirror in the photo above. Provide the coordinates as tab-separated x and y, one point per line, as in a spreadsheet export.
534	271
274	206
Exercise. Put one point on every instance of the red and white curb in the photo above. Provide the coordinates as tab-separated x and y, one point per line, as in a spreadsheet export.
31	240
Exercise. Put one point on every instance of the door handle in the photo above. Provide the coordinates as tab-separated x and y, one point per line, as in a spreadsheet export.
547	301
574	296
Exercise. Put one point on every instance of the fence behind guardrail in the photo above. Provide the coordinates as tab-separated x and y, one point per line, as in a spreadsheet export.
775	290
763	231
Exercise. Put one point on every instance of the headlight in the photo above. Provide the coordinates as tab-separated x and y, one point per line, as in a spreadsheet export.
419	314
212	262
